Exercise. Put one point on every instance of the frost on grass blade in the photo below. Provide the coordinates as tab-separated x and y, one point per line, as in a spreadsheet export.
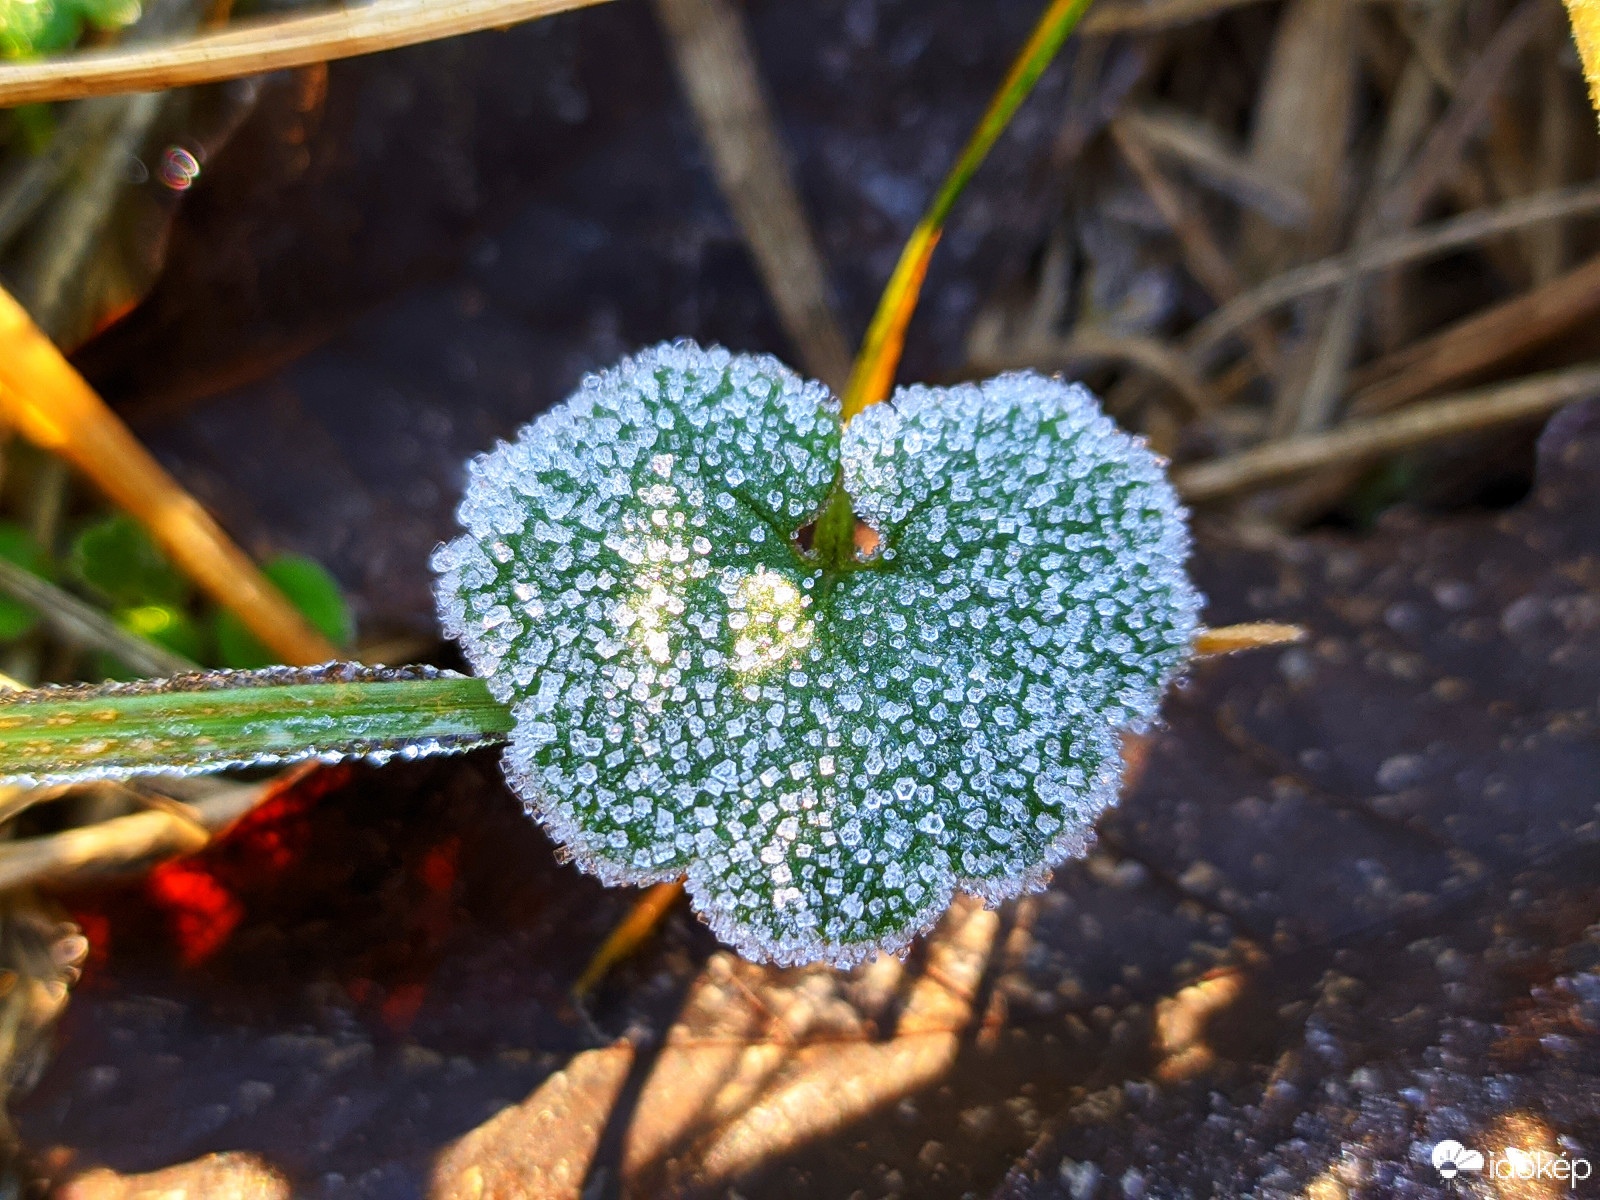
827	751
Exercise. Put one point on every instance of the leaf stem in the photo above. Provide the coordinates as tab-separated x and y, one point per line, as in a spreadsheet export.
873	374
834	542
198	723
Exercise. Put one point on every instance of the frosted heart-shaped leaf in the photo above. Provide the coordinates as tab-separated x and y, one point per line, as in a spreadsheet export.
825	745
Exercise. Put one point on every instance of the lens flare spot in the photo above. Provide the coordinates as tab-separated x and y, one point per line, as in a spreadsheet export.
179	169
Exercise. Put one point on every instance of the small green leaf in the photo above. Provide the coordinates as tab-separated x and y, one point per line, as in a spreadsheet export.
34	126
172	628
311	590
827	746
30	27
115	558
17	545
108	16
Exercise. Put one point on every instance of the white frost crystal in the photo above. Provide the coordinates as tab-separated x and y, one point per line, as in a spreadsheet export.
826	750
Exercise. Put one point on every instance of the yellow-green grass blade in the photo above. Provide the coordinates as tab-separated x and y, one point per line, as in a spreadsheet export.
873	373
201	723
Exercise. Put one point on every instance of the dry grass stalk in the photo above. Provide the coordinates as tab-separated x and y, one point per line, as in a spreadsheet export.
632	932
72	230
1201	253
717	68
29	181
126	843
51	405
1361	441
250	48
1585	16
1441	155
1300	129
1427	36
1492	336
1209	159
1425	242
1148	16
1311	407
1548	244
1252	635
1089	345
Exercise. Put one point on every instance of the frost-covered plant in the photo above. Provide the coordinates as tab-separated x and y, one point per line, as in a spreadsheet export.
826	670
708	679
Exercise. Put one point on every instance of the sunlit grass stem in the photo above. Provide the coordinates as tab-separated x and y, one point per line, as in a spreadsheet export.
875	366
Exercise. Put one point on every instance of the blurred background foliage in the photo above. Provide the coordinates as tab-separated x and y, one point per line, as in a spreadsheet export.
29	27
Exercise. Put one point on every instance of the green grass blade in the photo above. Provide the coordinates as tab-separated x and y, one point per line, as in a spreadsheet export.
873	374
200	723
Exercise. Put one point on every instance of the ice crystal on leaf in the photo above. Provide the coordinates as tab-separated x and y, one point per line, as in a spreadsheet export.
825	749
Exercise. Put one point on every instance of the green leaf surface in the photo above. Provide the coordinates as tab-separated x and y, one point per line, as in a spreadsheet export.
311	590
29	27
827	747
116	558
18	546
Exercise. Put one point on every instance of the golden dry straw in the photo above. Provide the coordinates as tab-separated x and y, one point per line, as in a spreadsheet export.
251	47
1364	440
50	404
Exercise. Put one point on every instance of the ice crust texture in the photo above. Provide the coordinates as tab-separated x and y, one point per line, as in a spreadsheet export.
825	757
